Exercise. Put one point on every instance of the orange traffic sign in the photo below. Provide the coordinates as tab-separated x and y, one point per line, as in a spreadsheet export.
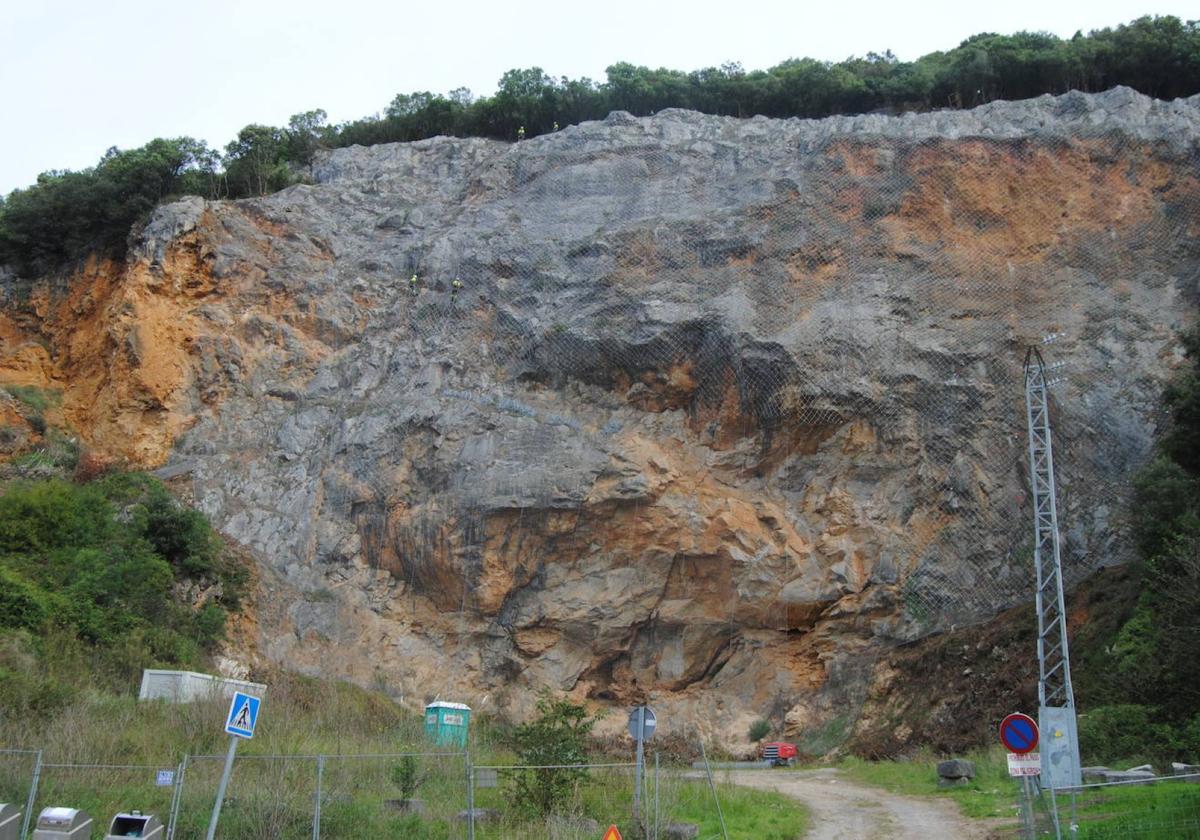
612	833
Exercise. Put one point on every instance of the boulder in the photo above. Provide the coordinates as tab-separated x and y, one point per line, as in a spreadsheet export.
956	768
681	831
950	783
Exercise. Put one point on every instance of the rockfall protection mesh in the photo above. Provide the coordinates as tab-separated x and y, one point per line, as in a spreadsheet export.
843	312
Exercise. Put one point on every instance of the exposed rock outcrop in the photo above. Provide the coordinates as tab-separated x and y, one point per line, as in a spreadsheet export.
722	409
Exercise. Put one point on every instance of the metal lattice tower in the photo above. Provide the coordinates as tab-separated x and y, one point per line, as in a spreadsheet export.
1056	699
1054	672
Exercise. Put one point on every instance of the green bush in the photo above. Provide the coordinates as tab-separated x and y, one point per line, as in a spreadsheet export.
21	604
1127	732
95	565
407	777
179	534
1149	668
759	730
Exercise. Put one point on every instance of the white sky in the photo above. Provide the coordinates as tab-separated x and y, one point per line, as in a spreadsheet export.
78	76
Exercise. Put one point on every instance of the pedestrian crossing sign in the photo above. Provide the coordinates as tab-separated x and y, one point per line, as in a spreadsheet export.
243	715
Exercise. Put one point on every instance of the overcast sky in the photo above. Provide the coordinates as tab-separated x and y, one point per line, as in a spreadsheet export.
78	76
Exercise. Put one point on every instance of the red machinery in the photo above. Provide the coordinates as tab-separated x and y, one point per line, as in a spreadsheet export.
778	753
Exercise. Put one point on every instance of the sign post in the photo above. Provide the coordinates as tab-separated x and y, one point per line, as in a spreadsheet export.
642	724
240	723
1019	734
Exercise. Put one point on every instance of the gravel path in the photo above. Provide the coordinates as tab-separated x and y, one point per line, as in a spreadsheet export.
844	810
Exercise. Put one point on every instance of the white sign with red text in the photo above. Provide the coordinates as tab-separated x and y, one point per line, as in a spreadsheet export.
1029	764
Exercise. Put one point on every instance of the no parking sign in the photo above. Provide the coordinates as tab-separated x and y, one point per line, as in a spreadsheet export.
1019	733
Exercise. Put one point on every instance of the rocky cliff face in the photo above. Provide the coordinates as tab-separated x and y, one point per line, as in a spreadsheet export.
720	410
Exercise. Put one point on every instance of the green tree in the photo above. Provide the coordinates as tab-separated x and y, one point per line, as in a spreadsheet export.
256	163
305	133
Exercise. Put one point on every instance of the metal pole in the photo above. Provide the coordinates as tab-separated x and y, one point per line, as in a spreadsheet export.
1029	833
216	814
713	787
1054	815
656	795
637	773
317	799
33	786
470	797
177	798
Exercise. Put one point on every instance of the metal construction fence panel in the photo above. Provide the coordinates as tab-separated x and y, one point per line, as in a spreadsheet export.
1162	808
578	802
282	797
418	795
16	775
269	797
19	770
104	790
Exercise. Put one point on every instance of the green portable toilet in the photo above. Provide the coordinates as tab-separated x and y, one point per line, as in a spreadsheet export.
446	723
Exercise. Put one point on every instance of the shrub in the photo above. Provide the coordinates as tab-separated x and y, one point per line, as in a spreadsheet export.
181	535
1129	731
759	730
20	603
91	573
407	777
557	737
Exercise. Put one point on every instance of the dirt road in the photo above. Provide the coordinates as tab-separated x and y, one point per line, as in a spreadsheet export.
843	810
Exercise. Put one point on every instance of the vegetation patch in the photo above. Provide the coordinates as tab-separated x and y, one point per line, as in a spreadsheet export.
87	576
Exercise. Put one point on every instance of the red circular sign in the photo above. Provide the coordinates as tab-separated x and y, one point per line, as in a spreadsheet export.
1019	733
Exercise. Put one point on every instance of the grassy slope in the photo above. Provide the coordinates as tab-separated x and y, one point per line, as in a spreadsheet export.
304	717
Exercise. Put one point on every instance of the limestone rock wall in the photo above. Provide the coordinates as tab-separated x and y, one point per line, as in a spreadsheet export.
721	410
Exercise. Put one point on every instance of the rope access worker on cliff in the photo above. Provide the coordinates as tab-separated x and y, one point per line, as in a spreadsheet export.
520	134
412	285
455	288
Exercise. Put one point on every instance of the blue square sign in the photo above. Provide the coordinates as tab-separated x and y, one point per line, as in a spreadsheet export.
243	715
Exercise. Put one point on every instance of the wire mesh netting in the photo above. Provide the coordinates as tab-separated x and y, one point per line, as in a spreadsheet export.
410	795
415	795
579	802
268	798
829	315
16	776
1163	808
